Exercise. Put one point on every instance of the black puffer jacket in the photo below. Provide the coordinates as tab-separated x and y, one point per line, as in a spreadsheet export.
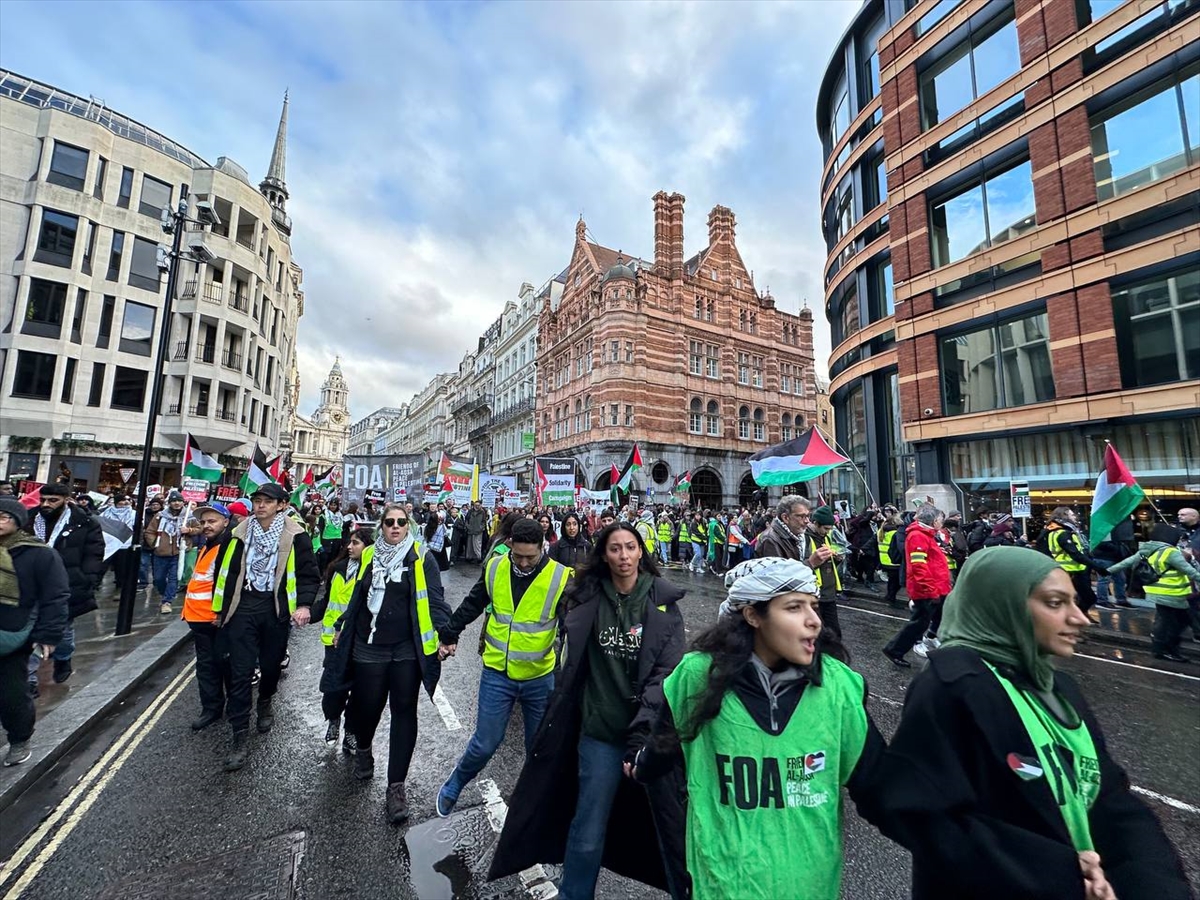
571	552
42	590
80	546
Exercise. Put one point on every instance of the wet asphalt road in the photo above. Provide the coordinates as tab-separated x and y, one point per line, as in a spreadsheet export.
155	816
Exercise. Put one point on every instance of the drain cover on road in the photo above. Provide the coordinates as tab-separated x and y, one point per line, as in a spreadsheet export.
264	870
447	856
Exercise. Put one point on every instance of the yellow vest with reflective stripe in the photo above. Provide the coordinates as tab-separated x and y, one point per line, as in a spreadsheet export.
837	576
885	538
664	532
1060	555
289	577
520	641
646	530
685	534
429	638
1171	582
340	592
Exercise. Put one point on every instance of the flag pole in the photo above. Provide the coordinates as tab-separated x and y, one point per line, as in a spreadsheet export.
853	465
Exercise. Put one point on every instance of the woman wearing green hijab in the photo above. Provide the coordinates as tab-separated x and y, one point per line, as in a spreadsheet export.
998	779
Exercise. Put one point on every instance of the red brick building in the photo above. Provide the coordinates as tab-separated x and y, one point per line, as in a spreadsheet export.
682	355
1011	203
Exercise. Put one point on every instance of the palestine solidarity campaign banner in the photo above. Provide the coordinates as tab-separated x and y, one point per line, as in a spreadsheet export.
388	476
555	480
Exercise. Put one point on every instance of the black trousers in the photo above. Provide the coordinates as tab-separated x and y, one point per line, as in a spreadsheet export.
1083	589
397	684
16	705
828	611
1168	628
255	636
893	583
334	703
329	550
914	629
212	666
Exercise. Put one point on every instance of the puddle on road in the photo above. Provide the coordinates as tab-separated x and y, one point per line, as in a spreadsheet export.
447	856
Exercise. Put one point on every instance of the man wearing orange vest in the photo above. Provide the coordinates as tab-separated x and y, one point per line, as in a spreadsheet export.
212	669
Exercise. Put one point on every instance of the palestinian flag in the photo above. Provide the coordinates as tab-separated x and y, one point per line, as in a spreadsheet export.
302	488
633	464
198	464
683	483
1117	495
614	492
802	459
256	473
275	469
326	482
446	492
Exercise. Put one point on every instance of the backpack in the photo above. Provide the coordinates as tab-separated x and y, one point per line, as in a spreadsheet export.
977	535
1145	573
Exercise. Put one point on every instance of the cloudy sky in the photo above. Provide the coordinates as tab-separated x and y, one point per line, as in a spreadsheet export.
440	154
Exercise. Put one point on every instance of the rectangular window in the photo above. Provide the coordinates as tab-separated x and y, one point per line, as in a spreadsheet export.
785	378
56	240
45	308
1162	341
696	419
156	196
96	391
628	416
114	256
1145	138
997	367
713	422
81	297
878	184
996	210
126	192
612	414
851	315
983	60
137	329
68	387
629	351
128	389
869	53
614	352
143	265
743	368
106	320
101	174
756	371
68	166
841	115
887	292
89	248
34	377
759	431
712	361
695	357
744	429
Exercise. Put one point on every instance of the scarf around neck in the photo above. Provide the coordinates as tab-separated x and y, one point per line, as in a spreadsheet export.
39	526
387	565
263	552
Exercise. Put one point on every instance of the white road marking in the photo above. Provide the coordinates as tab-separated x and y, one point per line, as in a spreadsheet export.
1163	798
537	883
1114	662
81	798
445	710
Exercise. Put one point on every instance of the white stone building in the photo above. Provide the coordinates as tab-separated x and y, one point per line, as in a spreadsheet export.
425	428
82	189
369	434
319	442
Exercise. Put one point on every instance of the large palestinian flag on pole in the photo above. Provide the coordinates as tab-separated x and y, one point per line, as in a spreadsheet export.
256	473
1117	495
198	464
802	459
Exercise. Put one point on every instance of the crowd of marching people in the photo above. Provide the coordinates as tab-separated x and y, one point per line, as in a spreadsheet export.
711	768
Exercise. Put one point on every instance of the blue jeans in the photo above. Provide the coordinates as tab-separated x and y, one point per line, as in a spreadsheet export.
166	575
698	555
599	777
144	557
664	551
497	694
63	651
1117	579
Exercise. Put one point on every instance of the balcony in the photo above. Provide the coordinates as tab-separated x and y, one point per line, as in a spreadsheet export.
173	409
240	302
231	359
225	415
518	409
479	432
468	405
206	353
200	411
181	351
210	291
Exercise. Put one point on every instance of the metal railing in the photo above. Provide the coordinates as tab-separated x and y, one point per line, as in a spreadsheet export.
240	302
471	403
181	351
201	411
225	416
231	360
206	353
520	408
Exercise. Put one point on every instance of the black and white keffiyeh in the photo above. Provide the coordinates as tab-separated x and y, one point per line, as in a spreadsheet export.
39	526
758	580
263	553
387	564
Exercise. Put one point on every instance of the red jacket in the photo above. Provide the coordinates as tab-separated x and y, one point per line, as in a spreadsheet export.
926	570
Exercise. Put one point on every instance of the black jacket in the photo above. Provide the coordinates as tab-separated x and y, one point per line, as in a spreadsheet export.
977	830
543	802
42	585
80	545
571	552
308	573
339	667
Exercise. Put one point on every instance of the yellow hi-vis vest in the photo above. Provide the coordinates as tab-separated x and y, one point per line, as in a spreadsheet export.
837	576
664	532
646	530
520	641
1171	583
340	592
429	638
885	538
289	577
1060	555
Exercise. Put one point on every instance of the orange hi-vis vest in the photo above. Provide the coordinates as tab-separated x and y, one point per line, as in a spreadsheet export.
198	602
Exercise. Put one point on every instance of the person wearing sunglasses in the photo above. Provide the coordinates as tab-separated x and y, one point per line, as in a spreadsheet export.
387	647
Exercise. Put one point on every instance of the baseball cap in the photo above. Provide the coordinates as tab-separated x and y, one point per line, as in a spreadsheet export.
219	508
272	491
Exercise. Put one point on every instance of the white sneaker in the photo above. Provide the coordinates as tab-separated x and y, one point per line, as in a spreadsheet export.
932	643
921	650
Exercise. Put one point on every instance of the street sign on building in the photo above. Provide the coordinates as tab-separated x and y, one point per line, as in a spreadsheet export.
1018	492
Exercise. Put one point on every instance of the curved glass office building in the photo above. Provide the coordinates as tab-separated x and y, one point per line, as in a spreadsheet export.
1011	209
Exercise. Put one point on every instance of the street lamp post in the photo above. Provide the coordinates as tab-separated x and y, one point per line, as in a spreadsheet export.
174	223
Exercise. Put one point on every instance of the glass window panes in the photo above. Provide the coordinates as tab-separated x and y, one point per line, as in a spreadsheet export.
996	58
34	376
980	62
957	227
1190	91
56	240
851	318
841	115
1002	207
997	367
156	195
143	265
45	308
1010	205
68	166
1164	328
946	88
128	388
137	328
126	190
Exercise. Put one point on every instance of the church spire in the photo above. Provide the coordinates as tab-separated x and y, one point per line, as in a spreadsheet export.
274	186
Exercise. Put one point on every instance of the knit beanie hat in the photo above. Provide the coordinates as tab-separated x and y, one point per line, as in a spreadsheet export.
823	515
14	508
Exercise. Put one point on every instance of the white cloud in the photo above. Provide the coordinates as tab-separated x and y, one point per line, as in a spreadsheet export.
439	154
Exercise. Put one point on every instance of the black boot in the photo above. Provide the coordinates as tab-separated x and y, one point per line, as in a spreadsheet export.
397	803
237	751
266	718
364	764
62	670
208	717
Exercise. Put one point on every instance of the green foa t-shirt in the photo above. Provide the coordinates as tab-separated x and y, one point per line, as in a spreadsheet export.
765	811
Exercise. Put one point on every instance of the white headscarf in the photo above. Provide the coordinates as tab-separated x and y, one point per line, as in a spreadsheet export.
758	580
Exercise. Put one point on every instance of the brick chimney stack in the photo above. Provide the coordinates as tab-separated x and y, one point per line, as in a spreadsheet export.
662	232
675	219
721	225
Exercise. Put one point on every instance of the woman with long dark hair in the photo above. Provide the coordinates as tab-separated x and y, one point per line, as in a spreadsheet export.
387	648
573	803
435	539
341	578
547	523
573	547
770	724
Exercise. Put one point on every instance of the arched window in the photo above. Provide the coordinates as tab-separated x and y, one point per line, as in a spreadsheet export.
587	414
578	416
742	320
713	416
744	422
696	416
699	308
785	427
760	425
754	323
